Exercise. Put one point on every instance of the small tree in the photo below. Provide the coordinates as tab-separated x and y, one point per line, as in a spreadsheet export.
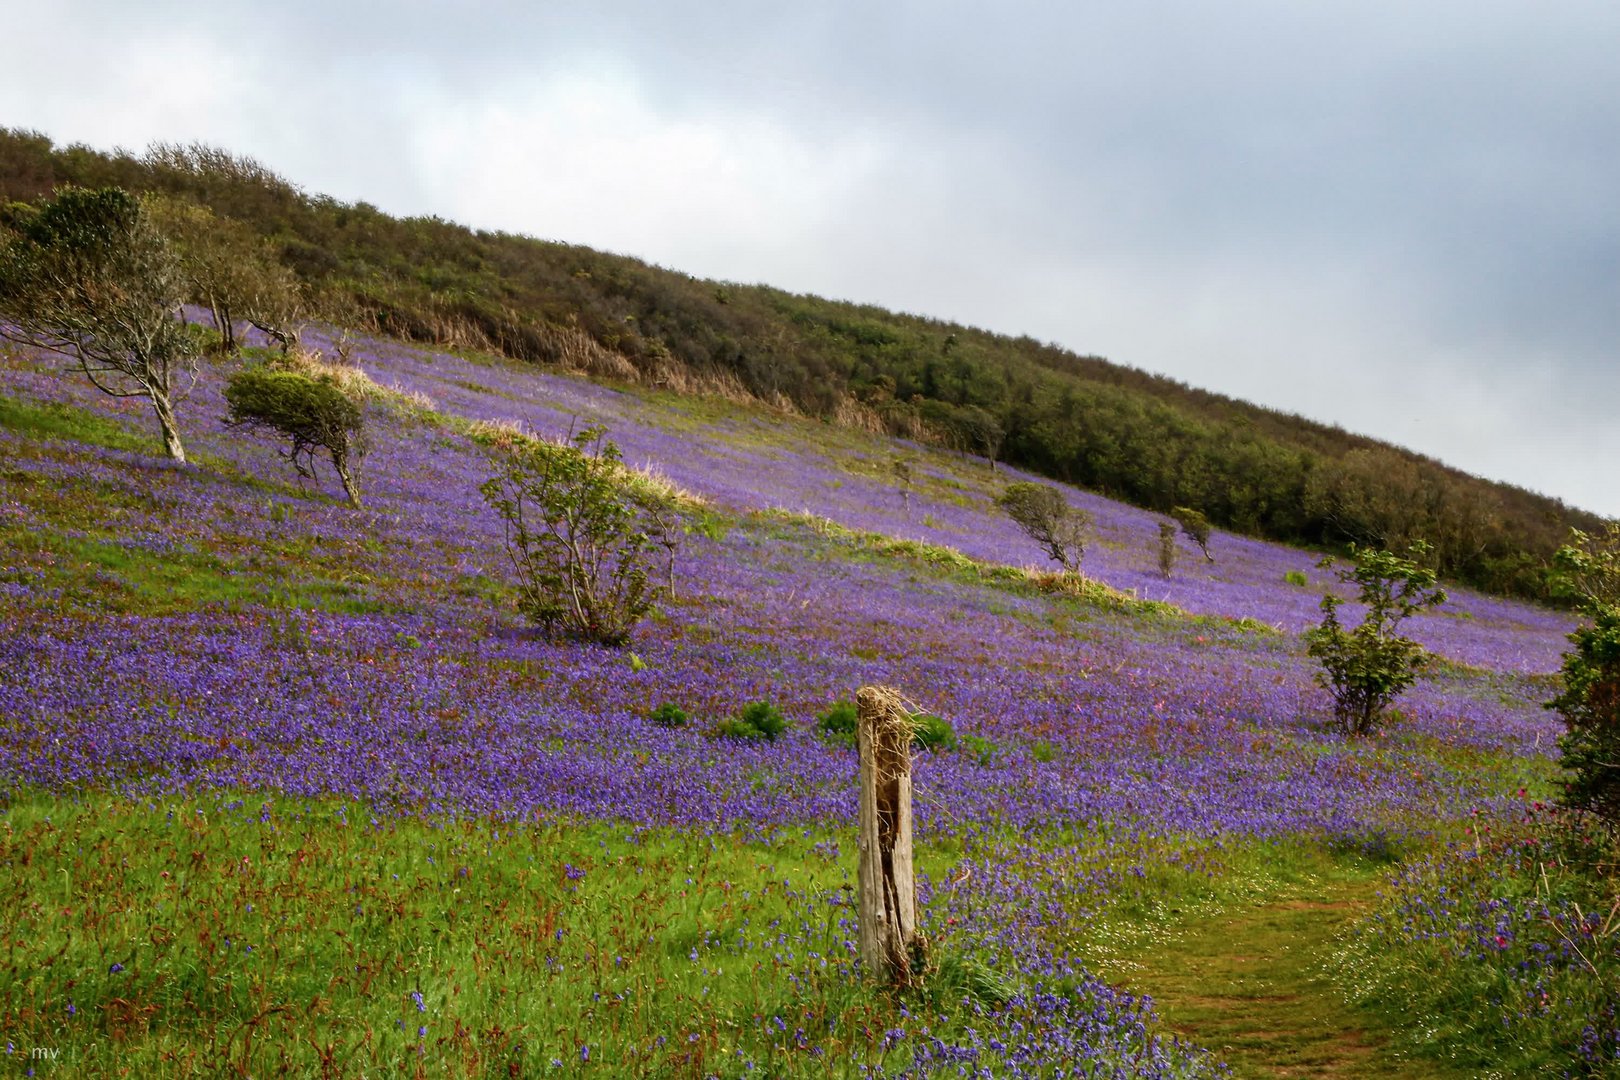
1588	567
89	277
1048	519
313	412
229	269
1196	527
1367	668
579	534
1167	548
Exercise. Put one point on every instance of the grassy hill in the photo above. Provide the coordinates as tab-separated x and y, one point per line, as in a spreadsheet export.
288	787
1151	441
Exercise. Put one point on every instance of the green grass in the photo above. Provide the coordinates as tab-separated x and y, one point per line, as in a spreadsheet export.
56	421
1238	963
196	937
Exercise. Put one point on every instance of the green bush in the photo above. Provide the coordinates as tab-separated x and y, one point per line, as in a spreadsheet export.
668	715
933	733
757	720
579	535
980	749
1589	569
1043	751
838	723
312	412
1367	668
1297	577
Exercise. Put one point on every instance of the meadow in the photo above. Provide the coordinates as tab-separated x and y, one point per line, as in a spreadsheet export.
289	787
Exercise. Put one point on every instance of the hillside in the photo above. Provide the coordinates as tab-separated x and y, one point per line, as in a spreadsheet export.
276	766
1080	419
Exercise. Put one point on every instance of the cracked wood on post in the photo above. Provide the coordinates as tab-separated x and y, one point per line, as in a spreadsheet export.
887	884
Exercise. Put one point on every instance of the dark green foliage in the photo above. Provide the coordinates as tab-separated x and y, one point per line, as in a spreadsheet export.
313	412
982	750
838	723
86	275
758	720
933	733
669	715
1369	667
1047	518
1167	548
579	534
1589	567
1196	526
1078	419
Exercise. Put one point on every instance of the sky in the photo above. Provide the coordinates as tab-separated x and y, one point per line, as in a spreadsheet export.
1399	217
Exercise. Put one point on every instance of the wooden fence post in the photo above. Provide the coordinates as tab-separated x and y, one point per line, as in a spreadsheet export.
887	885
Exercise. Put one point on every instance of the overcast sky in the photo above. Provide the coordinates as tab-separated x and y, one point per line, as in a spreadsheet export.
1401	217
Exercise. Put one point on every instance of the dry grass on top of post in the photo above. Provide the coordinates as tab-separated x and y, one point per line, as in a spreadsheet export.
891	946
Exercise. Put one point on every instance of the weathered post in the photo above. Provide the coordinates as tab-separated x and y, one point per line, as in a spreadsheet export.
887	886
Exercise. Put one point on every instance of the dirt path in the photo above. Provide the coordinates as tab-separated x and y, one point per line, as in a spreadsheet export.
1247	983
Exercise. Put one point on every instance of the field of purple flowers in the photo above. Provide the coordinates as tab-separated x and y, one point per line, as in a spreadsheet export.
218	631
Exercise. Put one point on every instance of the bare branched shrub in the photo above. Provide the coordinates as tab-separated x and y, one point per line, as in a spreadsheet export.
580	537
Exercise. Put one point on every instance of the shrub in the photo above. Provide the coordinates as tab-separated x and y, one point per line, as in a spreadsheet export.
579	534
1043	751
1167	548
838	722
932	733
1196	527
313	412
1588	567
1367	668
757	720
668	715
1297	577
980	749
1047	518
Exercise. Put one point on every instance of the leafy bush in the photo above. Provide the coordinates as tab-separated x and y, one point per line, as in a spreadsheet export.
980	749
933	733
1297	577
313	412
838	722
1047	518
579	534
1589	569
757	720
1167	548
669	715
1043	751
1367	668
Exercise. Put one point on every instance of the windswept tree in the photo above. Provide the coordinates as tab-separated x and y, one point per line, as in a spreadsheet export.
87	275
312	411
1047	518
1195	526
230	270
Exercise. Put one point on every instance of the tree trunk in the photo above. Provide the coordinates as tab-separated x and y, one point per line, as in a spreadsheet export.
340	462
887	885
171	433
